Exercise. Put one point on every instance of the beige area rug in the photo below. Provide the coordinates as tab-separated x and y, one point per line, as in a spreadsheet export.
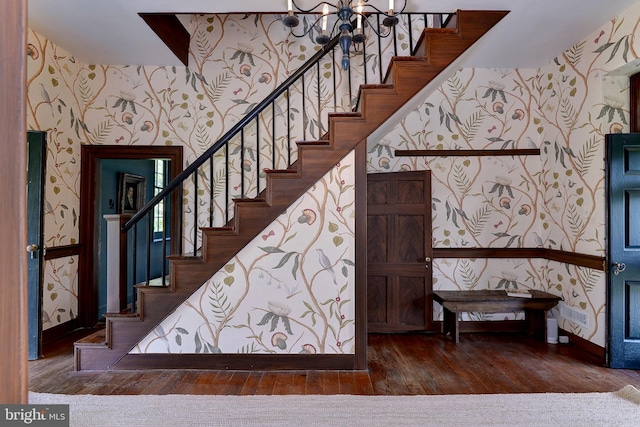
621	408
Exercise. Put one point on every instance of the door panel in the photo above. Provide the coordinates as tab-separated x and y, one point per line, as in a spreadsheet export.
623	255
399	291
410	233
36	154
632	294
632	204
412	298
376	192
376	292
377	231
411	192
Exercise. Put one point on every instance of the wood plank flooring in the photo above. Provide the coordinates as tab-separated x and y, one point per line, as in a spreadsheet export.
399	364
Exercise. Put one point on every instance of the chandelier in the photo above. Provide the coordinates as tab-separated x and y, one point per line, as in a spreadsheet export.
345	10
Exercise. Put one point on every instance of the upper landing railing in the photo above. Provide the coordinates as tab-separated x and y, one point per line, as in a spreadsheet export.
264	138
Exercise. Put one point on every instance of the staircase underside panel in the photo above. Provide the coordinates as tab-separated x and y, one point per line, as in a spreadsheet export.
377	103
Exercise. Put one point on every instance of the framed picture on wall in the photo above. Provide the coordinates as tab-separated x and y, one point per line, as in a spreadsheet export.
131	189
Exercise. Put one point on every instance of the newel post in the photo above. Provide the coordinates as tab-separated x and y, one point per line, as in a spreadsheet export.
116	263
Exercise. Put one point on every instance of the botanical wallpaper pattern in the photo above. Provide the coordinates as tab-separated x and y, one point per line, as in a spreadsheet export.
555	200
60	286
235	61
291	290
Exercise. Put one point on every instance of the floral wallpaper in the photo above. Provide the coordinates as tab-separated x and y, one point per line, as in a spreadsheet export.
291	290
555	200
60	286
235	61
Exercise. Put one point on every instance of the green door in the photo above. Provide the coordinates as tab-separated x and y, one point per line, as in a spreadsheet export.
36	154
623	254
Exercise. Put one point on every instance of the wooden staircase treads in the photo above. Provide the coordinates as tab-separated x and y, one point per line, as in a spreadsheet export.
346	114
244	200
404	70
320	143
447	30
244	203
220	230
96	338
125	314
159	289
157	282
284	172
315	159
282	175
375	86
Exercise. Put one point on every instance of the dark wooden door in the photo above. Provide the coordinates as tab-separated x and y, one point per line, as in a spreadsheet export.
399	289
623	254
36	154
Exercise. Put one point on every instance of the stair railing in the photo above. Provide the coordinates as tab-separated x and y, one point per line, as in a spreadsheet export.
233	167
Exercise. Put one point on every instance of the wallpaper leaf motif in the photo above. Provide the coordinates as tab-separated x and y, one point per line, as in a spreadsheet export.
587	155
292	299
574	54
472	125
554	200
623	41
558	108
191	106
217	88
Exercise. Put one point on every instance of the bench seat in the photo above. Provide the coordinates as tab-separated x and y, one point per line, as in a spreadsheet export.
496	301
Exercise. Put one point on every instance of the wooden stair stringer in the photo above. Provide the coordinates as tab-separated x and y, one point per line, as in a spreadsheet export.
377	103
282	190
435	48
123	332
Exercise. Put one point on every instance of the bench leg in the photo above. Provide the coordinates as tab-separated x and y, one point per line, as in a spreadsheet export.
450	321
536	324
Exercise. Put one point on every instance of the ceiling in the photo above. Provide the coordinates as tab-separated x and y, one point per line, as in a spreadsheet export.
111	32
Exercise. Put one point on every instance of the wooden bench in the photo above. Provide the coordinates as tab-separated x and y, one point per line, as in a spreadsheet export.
496	301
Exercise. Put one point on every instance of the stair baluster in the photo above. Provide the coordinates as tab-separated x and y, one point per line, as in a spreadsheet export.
214	246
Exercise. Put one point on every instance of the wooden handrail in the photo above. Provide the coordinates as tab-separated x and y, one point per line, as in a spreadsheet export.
186	173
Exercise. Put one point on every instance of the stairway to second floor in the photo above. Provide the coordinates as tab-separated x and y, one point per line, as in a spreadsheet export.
436	50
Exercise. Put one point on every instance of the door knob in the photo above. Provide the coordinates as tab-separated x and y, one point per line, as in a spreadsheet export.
427	261
618	267
32	250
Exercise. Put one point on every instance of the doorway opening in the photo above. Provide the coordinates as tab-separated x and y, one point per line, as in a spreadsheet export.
91	158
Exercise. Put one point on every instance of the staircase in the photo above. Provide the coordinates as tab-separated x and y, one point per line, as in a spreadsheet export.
406	76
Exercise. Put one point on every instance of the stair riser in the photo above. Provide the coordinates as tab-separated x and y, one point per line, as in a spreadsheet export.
442	47
473	25
451	42
374	97
152	304
346	130
184	274
314	161
419	76
92	357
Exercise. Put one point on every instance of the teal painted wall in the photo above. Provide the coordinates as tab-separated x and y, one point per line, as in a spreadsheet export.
108	202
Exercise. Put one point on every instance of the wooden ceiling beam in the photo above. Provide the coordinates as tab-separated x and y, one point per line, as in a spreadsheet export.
171	31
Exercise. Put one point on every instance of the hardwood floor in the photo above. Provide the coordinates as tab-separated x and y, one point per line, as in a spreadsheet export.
399	364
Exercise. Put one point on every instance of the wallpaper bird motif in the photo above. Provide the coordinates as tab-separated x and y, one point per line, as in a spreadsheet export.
555	200
235	61
291	290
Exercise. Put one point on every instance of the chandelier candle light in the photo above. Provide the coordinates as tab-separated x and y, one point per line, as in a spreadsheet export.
344	10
